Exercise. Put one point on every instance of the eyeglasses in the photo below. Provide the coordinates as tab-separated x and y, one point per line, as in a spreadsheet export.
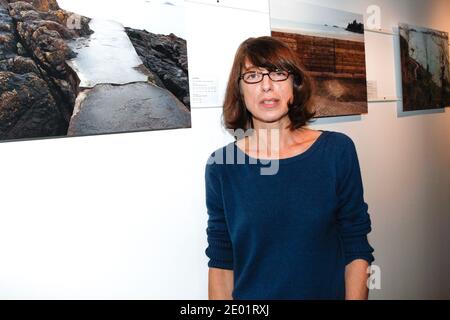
252	77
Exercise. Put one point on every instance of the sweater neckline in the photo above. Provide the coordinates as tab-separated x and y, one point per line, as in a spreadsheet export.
296	157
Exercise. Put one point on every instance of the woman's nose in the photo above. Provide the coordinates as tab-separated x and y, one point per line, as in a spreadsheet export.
266	83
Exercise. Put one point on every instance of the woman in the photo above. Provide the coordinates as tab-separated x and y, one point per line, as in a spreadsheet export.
300	232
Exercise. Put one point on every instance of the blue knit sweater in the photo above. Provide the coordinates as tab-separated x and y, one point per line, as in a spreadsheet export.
291	234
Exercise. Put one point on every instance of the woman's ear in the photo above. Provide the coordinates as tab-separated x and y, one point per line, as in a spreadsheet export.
291	99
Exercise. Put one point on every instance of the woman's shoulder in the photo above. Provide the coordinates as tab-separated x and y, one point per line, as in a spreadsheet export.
340	147
338	139
218	158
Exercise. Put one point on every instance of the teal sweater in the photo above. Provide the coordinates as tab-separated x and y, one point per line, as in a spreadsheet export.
288	235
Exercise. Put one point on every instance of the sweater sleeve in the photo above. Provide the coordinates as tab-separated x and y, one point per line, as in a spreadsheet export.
352	216
219	249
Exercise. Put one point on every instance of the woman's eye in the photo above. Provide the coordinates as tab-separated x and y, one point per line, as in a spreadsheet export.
252	75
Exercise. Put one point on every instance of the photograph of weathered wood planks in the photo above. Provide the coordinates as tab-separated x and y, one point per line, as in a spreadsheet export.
330	45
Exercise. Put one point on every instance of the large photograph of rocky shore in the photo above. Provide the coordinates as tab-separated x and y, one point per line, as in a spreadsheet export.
69	73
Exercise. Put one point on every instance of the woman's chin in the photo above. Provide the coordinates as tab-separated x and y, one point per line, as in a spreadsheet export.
268	118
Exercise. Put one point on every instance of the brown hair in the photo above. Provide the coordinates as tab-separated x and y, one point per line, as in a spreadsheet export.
271	54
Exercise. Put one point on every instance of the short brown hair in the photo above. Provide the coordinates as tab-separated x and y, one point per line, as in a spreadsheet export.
271	54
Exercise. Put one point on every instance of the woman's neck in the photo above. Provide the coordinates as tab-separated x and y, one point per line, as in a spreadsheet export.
271	139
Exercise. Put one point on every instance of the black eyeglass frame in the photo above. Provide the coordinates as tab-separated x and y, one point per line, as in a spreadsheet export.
241	77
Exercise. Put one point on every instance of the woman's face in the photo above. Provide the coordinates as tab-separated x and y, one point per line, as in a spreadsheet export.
267	100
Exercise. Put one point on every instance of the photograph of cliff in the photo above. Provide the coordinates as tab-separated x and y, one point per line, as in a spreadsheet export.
330	45
69	73
425	68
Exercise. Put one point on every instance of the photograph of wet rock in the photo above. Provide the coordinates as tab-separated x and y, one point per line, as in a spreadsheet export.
72	68
330	44
425	68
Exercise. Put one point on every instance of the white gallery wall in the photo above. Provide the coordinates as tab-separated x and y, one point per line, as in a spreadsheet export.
123	216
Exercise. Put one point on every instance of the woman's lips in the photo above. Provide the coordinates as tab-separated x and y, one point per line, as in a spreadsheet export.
269	103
